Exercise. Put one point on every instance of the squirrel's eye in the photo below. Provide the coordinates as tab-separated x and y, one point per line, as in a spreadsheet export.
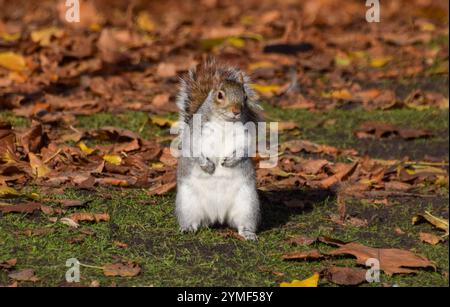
220	95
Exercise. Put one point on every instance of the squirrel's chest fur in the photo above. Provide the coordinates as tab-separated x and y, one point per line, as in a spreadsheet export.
215	194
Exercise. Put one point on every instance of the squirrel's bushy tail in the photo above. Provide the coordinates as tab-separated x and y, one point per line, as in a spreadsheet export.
196	85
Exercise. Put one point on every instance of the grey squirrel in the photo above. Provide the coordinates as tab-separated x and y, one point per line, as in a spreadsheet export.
219	185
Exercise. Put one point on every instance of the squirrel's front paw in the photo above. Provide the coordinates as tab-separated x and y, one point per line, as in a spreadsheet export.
208	166
230	161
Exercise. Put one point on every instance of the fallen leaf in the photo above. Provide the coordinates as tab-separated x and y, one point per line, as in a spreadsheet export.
392	260
302	240
430	238
38	168
122	269
12	61
145	22
113	159
7	264
433	220
69	222
120	244
84	148
161	121
266	90
313	254
35	232
44	36
283	126
88	217
383	130
6	191
345	276
309	282
380	62
23	275
166	70
162	189
21	208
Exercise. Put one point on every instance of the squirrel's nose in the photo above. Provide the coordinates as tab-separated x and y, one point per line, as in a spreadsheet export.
236	110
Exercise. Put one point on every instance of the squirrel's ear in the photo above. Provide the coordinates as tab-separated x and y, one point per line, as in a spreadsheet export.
241	77
192	73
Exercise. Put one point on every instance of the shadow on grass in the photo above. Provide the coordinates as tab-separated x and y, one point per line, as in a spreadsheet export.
278	206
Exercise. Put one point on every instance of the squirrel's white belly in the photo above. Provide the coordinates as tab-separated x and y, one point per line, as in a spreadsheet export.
218	192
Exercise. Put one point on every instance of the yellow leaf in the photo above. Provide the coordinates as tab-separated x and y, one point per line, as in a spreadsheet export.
161	121
380	62
145	22
342	60
44	36
426	26
266	89
310	282
7	191
113	159
8	37
95	27
246	20
441	181
84	148
260	64
236	42
38	168
157	165
433	220
339	94
12	61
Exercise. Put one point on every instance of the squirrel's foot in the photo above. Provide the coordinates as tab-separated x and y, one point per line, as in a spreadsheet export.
247	234
190	228
207	165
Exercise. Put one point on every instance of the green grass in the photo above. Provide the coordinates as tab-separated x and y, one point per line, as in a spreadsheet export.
169	258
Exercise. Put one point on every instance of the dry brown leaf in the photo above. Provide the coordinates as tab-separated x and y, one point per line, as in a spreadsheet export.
313	254
380	130
302	240
392	260
7	264
122	269
89	217
23	275
21	208
162	188
345	276
430	238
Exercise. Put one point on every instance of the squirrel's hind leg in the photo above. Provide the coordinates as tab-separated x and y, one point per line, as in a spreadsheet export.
189	215
245	213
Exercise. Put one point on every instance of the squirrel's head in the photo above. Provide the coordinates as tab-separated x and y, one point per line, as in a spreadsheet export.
229	99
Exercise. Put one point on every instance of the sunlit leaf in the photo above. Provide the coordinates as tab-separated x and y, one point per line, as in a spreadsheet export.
145	22
309	282
113	159
84	148
12	61
38	167
44	36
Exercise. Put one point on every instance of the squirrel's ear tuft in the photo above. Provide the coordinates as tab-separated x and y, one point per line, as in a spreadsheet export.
241	78
192	73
